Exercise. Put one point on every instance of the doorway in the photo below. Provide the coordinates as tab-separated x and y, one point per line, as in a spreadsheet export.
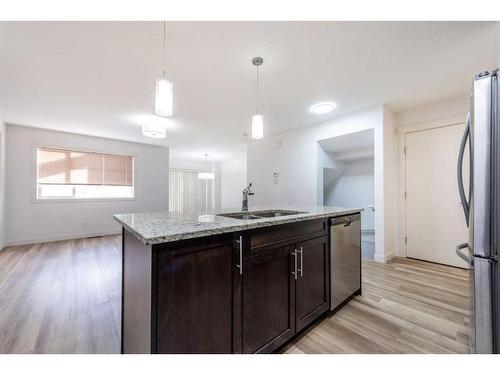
435	222
348	179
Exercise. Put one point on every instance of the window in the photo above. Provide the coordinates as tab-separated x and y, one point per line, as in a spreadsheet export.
187	193
66	174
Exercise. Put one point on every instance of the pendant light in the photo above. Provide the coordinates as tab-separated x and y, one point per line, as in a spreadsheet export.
164	97
206	175
257	119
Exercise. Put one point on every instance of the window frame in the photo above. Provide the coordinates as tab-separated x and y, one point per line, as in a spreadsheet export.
34	177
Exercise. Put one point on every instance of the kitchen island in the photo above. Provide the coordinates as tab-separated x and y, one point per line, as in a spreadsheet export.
223	283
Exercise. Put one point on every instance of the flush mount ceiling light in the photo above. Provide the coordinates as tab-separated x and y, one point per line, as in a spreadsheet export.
257	119
323	107
164	98
154	129
206	175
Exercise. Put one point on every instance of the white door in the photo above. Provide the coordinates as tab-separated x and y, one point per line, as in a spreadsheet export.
435	222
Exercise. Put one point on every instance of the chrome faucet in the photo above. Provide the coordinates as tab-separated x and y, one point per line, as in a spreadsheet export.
246	192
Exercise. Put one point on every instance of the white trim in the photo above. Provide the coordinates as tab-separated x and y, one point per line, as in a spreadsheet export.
383	258
402	132
30	241
82	200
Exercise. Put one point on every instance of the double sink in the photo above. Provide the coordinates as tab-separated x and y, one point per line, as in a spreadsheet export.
254	215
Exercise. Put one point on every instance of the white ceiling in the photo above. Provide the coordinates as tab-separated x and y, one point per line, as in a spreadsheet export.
98	78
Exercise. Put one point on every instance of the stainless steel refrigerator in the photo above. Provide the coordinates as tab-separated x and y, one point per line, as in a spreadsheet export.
481	205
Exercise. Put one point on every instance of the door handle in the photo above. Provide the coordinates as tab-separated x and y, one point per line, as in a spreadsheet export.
461	151
240	265
459	250
301	270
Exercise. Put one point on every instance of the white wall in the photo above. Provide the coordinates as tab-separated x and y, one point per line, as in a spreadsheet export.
2	184
300	165
297	160
440	110
354	187
29	221
195	165
233	181
387	220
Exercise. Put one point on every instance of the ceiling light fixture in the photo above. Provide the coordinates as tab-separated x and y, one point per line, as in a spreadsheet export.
206	175
164	97
323	107
154	129
257	119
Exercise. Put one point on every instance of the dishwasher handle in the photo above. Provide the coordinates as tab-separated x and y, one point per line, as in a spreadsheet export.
345	220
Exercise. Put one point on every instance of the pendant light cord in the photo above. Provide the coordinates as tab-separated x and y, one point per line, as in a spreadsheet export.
164	71
257	89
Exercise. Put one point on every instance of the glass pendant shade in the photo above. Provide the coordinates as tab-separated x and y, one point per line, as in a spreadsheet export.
257	126
206	175
164	99
154	129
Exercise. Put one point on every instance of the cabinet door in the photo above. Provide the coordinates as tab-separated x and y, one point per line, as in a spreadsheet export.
194	303
268	292
312	285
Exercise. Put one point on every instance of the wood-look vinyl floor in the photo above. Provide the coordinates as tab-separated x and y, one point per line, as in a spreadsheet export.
64	297
61	297
407	306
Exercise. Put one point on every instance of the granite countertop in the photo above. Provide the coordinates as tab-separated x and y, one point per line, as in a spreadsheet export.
158	227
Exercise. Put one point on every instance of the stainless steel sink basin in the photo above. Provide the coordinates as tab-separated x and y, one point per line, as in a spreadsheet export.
276	213
253	215
241	216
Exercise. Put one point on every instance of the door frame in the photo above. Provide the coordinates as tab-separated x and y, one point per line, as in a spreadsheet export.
402	132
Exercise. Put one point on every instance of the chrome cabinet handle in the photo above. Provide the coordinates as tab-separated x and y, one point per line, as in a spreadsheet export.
301	270
295	262
240	266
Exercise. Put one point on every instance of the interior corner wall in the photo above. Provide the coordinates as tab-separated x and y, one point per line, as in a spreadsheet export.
386	192
2	184
32	221
354	187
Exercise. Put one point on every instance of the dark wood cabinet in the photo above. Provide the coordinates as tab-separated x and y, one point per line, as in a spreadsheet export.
284	285
194	296
247	292
268	308
312	290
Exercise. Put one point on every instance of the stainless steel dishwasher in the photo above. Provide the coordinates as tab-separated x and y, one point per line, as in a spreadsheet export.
345	258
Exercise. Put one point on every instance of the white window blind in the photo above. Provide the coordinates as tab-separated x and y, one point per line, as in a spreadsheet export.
187	193
76	174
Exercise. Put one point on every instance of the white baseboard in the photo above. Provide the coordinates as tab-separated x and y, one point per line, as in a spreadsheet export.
31	241
383	258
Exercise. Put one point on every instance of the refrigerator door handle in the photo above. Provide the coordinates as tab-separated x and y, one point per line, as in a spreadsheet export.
461	254
461	151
